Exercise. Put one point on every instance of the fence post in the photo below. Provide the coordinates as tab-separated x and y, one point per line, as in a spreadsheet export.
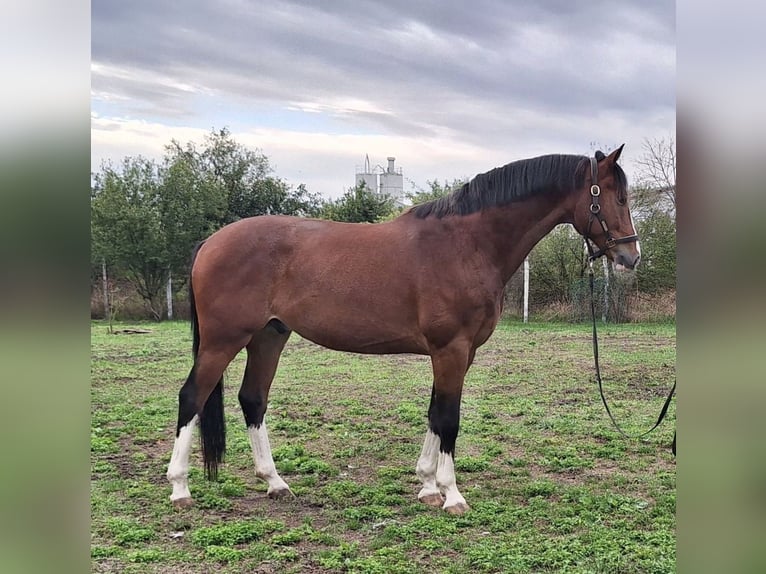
105	285
526	289
169	295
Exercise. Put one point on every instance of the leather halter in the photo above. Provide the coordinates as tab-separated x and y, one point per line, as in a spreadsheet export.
595	213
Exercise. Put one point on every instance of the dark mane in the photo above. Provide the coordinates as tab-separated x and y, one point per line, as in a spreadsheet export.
516	181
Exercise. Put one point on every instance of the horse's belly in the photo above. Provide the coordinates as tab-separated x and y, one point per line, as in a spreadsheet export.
359	343
354	332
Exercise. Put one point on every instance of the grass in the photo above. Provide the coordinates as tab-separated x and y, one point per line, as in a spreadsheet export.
552	486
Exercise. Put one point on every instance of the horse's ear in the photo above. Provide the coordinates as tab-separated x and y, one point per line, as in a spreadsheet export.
599	155
615	155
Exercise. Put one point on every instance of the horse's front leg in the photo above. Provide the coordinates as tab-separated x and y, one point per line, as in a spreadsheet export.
436	465
426	470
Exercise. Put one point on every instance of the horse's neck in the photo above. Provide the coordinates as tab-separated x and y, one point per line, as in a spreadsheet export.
510	232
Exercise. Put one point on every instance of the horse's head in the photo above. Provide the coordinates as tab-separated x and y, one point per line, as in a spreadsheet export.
602	214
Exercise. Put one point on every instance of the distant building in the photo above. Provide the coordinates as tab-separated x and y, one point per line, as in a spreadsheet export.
383	181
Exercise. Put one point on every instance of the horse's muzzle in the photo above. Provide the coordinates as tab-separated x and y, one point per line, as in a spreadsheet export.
628	260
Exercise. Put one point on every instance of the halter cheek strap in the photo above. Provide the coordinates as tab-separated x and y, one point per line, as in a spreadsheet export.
595	213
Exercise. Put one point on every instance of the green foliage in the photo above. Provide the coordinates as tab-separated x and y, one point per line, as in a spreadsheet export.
146	217
411	412
657	271
223	553
126	229
291	537
471	464
359	205
233	533
247	178
435	191
554	264
192	202
102	444
339	558
104	551
142	556
616	302
127	532
295	459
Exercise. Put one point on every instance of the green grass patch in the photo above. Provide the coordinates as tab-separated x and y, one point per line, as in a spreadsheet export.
551	485
231	534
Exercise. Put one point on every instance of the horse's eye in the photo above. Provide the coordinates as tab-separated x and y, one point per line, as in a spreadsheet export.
622	198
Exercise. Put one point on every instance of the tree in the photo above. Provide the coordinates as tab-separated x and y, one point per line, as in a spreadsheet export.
434	191
655	187
555	263
654	202
146	218
126	228
191	203
251	188
657	271
358	205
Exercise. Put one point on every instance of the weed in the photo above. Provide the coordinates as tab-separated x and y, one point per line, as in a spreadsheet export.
233	533
295	459
223	553
339	558
104	551
292	536
471	464
126	532
148	555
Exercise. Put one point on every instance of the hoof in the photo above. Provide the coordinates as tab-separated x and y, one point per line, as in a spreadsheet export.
457	509
434	499
183	502
280	493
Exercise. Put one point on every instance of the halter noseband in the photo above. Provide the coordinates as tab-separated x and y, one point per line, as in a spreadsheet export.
595	213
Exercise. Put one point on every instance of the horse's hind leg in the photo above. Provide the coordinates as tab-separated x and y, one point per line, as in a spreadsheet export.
204	379
178	469
263	353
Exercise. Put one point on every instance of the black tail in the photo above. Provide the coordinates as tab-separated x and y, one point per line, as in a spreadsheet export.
212	426
212	429
192	304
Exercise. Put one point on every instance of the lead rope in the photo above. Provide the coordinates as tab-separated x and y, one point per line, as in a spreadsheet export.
664	410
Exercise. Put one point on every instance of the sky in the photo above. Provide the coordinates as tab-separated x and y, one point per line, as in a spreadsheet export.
451	89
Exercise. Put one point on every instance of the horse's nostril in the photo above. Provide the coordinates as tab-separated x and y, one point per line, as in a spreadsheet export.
635	263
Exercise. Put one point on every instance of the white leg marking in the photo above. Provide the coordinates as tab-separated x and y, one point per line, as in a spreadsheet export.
445	479
264	463
178	469
426	466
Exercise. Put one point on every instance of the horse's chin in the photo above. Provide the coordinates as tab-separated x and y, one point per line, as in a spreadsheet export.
620	268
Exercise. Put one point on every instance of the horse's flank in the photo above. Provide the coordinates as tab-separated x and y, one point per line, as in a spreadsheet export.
391	287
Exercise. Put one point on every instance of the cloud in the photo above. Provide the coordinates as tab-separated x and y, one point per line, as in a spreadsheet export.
488	78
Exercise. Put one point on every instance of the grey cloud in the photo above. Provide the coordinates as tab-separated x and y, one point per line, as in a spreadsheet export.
435	65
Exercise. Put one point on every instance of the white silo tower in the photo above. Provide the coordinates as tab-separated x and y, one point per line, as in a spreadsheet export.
392	181
367	176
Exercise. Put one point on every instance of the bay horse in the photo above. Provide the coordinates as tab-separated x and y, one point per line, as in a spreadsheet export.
429	282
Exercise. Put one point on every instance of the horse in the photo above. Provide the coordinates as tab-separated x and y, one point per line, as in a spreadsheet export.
429	282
